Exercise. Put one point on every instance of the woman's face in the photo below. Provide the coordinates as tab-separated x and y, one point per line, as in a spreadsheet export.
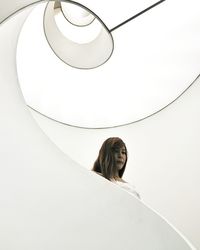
120	157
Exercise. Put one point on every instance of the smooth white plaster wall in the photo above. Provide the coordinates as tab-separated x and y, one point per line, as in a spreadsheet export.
43	193
163	157
49	202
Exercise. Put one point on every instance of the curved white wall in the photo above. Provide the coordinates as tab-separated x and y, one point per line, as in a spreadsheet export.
49	202
163	157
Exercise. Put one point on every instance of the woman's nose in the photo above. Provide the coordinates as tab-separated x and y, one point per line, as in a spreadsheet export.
120	155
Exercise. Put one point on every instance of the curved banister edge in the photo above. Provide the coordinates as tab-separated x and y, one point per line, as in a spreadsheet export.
38	179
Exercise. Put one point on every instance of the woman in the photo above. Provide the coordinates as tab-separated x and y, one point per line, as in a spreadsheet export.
111	163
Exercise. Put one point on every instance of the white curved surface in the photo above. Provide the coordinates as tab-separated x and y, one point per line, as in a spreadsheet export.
48	201
154	60
86	55
76	16
163	157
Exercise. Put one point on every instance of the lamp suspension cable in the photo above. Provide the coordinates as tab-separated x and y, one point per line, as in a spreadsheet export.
138	14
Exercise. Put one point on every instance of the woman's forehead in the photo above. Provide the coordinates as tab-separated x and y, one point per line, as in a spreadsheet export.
119	146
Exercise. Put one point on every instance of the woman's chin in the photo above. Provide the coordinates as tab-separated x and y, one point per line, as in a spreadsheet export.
120	166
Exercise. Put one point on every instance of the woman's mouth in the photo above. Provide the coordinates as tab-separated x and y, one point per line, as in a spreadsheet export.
120	162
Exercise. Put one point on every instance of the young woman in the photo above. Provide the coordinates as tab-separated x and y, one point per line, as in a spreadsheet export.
111	163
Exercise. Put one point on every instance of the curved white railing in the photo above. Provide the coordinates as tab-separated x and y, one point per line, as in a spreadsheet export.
47	201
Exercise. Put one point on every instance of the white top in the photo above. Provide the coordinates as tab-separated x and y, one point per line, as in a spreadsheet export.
128	187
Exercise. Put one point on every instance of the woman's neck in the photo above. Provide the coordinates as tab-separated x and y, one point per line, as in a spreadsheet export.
116	178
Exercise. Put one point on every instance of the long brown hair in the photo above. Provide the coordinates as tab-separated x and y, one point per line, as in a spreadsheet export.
105	163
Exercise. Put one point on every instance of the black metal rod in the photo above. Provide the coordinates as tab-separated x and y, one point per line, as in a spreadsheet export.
138	14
